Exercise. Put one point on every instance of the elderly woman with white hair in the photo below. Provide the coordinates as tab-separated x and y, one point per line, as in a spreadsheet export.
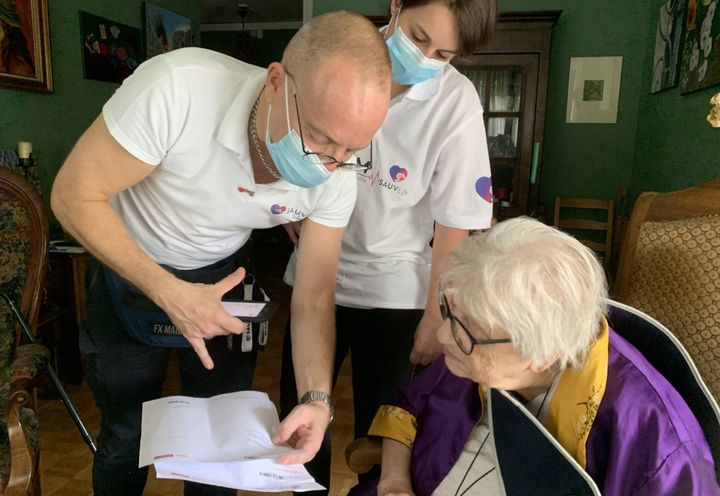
535	393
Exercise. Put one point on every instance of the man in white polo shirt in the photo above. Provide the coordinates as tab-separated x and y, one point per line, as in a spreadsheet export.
192	152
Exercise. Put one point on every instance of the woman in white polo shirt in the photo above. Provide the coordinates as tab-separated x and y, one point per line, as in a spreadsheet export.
430	180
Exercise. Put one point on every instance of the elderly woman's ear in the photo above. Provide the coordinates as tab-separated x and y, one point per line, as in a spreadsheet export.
544	366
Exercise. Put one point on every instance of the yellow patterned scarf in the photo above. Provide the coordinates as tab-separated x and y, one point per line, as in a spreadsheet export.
577	398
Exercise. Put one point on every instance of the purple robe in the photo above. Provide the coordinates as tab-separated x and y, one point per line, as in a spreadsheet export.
644	439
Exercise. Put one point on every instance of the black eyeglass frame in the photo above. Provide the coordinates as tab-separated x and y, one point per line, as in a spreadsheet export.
446	313
326	159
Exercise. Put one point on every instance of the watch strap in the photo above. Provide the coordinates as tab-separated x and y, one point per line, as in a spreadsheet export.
312	396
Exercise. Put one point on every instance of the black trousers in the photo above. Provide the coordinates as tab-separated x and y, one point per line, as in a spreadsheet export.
123	373
379	341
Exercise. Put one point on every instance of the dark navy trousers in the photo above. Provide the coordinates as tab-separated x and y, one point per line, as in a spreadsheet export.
123	373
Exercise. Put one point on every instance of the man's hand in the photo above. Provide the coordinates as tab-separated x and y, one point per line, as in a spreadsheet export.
293	231
426	347
196	310
303	429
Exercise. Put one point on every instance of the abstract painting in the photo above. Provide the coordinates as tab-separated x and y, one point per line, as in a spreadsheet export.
165	30
701	46
668	38
111	51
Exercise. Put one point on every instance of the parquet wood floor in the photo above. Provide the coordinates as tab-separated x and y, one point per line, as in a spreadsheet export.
66	461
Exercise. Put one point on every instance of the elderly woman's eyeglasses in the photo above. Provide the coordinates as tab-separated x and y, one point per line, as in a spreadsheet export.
465	341
329	159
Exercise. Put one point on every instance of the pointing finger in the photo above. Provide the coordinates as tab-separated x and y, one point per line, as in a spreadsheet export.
198	345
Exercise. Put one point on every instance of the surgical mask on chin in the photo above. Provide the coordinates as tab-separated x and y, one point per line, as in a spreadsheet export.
409	64
288	155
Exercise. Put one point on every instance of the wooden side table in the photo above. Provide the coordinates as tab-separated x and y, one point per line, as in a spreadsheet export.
59	324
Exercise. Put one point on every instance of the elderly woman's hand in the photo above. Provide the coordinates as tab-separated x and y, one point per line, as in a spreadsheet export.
426	347
395	488
293	231
395	475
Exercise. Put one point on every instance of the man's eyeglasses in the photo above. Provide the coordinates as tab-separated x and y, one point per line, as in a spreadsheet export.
465	341
329	159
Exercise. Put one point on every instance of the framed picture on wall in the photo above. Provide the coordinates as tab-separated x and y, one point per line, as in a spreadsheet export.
668	38
701	46
593	89
165	30
25	45
111	50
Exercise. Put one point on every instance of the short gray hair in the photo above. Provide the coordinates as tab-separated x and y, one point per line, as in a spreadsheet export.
541	286
346	35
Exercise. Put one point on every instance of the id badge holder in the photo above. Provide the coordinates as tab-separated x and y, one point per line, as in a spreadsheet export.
247	335
263	326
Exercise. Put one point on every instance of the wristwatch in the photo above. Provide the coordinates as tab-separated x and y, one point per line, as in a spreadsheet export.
312	396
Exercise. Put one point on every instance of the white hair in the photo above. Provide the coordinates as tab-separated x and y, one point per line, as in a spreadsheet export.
539	285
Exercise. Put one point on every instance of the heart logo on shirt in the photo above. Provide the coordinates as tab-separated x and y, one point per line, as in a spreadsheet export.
398	173
278	209
483	186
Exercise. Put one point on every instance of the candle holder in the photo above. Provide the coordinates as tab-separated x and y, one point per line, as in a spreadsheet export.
26	164
25	159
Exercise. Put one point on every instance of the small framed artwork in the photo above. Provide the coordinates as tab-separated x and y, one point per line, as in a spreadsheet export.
701	46
668	38
165	30
593	89
25	45
111	51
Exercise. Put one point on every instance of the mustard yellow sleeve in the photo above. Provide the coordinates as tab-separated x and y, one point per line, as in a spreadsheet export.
394	423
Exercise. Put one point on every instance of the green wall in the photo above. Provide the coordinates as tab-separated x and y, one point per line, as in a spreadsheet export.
660	142
676	147
366	7
53	122
591	160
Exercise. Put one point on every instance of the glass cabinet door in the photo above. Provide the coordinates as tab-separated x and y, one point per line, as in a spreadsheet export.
501	85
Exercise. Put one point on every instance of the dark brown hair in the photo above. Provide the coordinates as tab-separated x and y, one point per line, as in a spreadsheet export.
475	20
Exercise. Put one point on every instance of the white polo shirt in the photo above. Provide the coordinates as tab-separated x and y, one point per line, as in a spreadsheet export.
186	112
430	163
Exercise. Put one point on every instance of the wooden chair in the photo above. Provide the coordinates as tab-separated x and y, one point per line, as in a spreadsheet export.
669	268
23	261
593	229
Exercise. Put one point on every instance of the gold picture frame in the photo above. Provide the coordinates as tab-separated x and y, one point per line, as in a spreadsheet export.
25	46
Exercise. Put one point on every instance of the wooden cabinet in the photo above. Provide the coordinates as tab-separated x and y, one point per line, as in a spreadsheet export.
511	76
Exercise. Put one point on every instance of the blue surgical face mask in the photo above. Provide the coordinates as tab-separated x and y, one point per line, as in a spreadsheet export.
289	158
409	64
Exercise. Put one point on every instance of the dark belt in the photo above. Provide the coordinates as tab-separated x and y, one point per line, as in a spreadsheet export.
148	323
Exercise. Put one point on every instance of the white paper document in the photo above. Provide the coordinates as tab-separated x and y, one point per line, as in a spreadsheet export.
223	440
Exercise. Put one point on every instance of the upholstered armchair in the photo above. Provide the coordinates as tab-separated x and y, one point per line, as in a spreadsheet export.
670	269
23	261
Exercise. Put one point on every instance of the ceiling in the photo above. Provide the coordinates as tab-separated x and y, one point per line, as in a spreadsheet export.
259	11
